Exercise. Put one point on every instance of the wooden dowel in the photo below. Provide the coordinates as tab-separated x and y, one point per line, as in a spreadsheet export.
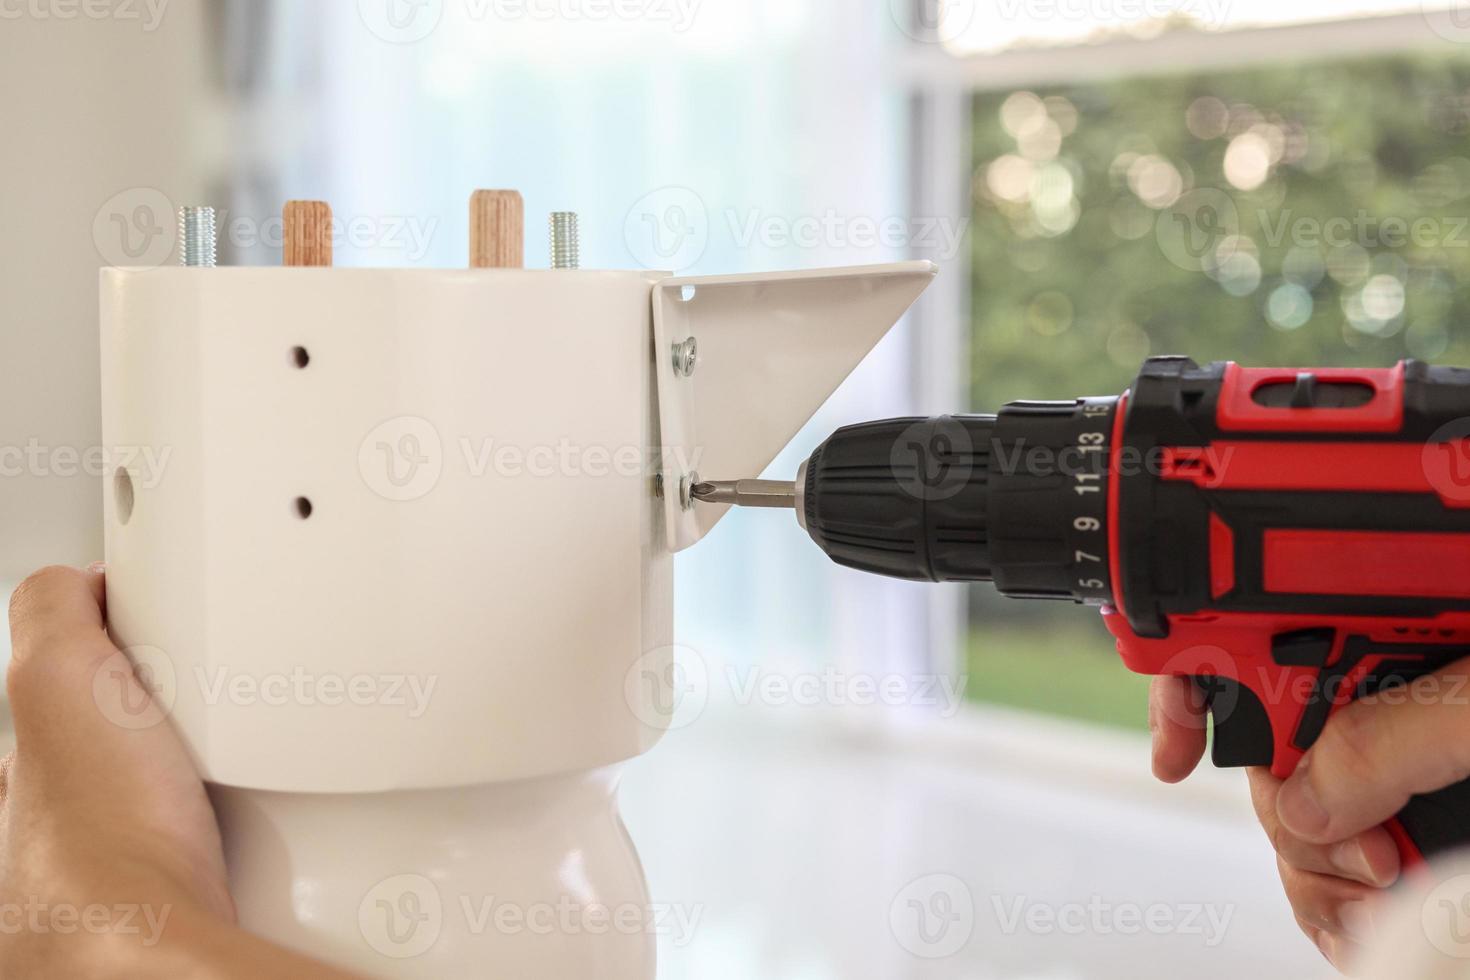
308	233
497	230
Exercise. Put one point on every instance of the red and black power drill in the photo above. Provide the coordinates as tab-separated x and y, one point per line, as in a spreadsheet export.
1291	539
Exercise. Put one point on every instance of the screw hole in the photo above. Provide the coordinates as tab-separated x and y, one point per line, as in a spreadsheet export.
300	357
303	507
122	494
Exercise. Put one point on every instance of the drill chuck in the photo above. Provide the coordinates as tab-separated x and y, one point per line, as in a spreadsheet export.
1018	499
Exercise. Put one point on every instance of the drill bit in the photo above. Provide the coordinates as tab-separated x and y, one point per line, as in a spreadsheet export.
747	493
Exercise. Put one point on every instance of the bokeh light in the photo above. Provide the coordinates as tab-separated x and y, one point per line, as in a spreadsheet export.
1248	161
1247	215
1289	306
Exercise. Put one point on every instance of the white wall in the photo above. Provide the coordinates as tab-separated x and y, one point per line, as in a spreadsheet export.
92	112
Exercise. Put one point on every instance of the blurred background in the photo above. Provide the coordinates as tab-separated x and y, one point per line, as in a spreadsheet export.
1272	181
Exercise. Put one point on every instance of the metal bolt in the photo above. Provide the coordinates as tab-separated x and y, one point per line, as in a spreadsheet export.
566	249
686	356
686	490
196	236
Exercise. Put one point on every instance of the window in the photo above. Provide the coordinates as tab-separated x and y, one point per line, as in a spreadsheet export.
1289	214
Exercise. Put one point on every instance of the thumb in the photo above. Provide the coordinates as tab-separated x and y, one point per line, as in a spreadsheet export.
73	694
1376	753
57	633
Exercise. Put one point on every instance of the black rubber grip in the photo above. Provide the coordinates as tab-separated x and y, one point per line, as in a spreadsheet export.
1439	822
907	498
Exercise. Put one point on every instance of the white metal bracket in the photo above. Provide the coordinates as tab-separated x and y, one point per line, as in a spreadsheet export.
771	349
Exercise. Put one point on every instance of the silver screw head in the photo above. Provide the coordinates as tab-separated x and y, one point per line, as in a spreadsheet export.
686	356
686	490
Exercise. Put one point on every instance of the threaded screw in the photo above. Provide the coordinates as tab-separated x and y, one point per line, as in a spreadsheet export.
686	356
196	237
566	248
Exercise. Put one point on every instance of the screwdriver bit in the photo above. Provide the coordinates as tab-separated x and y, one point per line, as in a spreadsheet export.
747	493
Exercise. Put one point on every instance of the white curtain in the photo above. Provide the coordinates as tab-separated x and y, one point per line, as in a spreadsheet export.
748	135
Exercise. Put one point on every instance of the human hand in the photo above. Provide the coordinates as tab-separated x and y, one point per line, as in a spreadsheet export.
110	858
1325	821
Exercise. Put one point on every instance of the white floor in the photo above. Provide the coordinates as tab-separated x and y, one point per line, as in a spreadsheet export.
814	848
